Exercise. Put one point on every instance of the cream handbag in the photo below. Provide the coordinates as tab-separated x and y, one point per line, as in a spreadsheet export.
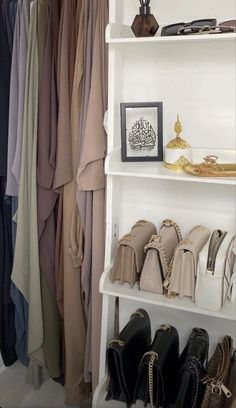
129	255
215	270
159	252
183	270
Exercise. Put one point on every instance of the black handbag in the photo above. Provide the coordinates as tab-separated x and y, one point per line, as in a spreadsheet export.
157	377
124	354
192	370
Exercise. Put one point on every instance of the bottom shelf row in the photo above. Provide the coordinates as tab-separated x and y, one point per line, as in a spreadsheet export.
150	371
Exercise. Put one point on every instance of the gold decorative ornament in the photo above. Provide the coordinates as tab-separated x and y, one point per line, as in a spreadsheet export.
177	151
210	168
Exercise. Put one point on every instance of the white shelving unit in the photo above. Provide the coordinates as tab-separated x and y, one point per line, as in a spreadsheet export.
196	78
122	34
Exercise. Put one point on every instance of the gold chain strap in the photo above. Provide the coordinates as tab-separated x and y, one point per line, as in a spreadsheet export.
140	314
116	341
153	356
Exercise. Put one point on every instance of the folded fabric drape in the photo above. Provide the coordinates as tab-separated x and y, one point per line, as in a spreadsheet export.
52	224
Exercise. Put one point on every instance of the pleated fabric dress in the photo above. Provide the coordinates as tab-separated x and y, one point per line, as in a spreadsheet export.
47	198
70	231
91	176
16	102
26	271
7	308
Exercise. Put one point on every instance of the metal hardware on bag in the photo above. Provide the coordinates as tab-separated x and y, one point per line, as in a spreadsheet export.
127	237
225	390
153	356
116	341
140	314
165	327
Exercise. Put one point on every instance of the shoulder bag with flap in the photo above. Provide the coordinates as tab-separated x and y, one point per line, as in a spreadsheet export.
159	252
215	269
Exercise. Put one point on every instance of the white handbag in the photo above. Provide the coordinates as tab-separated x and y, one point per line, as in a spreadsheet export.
232	289
215	270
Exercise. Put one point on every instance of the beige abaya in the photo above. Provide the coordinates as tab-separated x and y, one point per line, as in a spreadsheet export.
91	176
70	230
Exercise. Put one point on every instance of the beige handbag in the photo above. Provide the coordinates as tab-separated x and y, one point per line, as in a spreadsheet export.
183	269
129	256
159	252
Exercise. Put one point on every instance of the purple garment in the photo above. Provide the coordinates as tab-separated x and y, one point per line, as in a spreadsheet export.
12	188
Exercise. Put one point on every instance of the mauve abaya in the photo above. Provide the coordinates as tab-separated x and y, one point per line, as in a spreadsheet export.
47	134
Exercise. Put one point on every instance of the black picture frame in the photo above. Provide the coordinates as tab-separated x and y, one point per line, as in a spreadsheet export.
131	145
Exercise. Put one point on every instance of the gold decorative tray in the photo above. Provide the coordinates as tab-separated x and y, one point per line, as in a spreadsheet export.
210	168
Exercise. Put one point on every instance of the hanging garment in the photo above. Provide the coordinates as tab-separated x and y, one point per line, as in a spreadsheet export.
15	111
26	271
9	8
91	176
70	231
7	309
47	198
84	198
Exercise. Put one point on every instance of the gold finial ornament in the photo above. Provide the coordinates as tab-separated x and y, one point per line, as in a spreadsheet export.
178	127
178	150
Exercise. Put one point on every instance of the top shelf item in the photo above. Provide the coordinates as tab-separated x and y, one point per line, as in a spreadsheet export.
117	33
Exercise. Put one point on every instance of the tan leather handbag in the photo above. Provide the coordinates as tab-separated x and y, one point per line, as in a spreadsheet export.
129	256
183	269
231	402
159	252
218	370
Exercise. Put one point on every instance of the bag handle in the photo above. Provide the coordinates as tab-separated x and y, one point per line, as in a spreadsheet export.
233	276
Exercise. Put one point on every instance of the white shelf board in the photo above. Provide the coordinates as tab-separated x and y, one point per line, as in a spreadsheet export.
156	170
124	291
120	34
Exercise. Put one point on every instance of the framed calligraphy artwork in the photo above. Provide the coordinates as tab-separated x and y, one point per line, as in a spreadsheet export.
142	131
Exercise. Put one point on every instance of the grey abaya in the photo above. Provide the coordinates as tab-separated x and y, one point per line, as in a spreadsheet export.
26	271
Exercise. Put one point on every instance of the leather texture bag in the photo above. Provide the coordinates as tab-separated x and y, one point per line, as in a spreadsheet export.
192	369
183	270
129	256
217	377
215	270
158	369
124	354
231	401
159	252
